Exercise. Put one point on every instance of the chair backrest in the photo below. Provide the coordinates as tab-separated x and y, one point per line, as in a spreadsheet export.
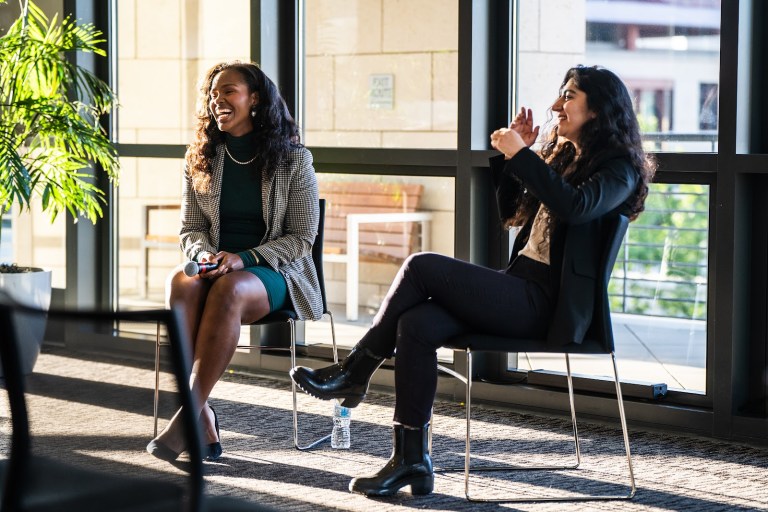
317	253
68	388
599	336
601	329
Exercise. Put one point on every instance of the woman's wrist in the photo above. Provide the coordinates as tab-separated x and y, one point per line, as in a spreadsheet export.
251	258
204	255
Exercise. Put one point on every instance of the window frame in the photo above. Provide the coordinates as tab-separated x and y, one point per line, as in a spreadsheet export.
486	30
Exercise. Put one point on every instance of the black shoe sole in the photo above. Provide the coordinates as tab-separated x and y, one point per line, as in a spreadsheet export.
349	401
419	487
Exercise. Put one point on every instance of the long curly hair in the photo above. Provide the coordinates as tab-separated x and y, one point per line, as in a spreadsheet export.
275	132
614	128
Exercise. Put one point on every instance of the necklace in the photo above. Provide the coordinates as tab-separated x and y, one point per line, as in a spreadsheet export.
235	159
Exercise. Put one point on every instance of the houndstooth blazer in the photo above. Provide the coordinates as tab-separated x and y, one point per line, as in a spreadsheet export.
291	211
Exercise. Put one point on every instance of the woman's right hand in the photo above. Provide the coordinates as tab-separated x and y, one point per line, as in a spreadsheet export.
508	141
523	125
208	257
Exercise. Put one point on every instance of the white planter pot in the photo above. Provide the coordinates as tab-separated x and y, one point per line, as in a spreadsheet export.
31	289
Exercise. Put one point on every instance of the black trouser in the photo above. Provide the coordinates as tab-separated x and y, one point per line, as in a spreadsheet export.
434	298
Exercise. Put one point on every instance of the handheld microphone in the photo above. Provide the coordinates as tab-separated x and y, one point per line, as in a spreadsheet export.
193	268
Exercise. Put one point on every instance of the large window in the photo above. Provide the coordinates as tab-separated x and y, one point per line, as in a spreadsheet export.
164	48
658	294
664	52
379	74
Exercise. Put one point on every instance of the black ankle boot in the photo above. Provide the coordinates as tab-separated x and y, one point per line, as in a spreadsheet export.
347	380
410	464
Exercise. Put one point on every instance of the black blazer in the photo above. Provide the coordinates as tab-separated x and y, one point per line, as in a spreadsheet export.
575	244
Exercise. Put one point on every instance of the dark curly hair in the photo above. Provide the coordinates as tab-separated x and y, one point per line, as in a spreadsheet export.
275	130
614	128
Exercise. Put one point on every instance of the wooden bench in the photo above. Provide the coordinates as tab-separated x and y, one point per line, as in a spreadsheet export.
371	222
155	219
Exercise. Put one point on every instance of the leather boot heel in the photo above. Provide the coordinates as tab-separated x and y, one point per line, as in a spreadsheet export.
423	485
352	402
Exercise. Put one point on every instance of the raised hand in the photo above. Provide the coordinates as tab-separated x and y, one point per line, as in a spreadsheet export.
523	125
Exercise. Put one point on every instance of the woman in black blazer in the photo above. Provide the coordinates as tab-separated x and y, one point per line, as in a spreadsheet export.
249	208
590	167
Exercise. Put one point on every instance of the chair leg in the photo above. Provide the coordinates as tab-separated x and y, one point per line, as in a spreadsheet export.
625	432
571	401
157	375
468	469
323	439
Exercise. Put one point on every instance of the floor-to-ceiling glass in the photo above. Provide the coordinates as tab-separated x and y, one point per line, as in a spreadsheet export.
379	74
668	55
164	48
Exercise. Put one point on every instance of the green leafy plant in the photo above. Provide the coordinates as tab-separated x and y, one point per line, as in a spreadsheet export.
50	111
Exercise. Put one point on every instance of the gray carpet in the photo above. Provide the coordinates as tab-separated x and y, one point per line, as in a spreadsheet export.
100	412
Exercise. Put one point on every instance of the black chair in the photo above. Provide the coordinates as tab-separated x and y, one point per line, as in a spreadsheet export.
599	340
282	316
50	472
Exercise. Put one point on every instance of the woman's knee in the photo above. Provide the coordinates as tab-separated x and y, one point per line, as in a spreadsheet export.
180	288
238	293
419	259
417	329
225	289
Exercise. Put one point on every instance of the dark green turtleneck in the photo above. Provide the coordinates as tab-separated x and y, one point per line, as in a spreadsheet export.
242	219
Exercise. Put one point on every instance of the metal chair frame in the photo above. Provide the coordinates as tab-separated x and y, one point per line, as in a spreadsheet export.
288	316
614	236
468	469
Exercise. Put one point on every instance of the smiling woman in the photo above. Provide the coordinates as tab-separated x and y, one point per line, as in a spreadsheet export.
250	205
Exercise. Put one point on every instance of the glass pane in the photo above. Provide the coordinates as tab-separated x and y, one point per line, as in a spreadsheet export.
667	52
148	226
163	50
30	239
394	216
381	74
658	294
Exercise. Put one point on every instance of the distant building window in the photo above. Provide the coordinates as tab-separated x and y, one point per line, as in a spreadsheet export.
708	105
653	104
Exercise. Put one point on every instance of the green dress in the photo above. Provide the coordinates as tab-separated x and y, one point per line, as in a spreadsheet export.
242	220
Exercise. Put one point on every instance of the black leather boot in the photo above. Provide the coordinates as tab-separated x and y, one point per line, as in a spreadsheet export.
410	464
347	380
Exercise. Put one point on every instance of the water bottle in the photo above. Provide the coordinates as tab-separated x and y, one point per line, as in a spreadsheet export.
342	416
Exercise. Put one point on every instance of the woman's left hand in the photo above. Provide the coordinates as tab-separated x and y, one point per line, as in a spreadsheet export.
523	124
228	262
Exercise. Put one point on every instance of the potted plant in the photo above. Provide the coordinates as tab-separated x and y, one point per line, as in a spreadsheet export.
50	131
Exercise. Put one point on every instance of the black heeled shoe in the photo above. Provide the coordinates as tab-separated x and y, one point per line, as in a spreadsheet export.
213	450
161	451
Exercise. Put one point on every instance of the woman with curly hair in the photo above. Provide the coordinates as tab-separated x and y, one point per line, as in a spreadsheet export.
249	209
590	168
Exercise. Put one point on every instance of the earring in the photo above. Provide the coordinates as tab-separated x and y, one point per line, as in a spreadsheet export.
253	111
